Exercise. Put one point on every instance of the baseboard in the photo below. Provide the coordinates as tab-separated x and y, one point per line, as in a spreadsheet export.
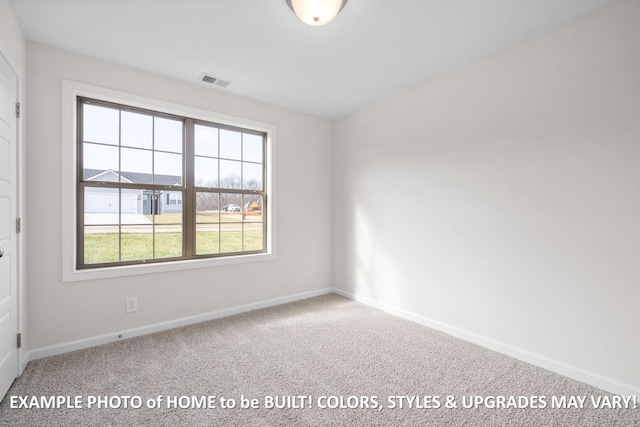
573	372
604	383
24	361
159	327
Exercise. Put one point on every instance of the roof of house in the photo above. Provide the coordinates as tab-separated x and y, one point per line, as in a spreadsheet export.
132	177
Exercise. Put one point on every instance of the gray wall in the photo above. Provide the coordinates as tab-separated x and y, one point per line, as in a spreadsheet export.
503	199
62	312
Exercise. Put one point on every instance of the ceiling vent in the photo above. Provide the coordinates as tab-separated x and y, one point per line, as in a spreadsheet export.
216	81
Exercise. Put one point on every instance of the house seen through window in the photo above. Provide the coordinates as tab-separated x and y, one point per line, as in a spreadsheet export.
153	187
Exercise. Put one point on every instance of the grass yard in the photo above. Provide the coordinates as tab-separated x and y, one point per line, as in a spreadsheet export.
209	217
105	247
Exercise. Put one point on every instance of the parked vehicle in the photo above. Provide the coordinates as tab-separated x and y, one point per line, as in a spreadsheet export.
232	208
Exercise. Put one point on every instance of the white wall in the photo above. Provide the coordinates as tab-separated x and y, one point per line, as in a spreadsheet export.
63	312
11	36
503	199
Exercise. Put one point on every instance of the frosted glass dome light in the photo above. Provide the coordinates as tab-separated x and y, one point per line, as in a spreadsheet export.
316	12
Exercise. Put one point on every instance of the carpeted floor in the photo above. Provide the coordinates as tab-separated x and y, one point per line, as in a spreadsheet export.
329	350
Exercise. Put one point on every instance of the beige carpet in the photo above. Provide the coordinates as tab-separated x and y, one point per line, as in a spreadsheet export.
324	346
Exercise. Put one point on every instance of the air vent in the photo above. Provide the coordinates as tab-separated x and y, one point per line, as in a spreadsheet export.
216	81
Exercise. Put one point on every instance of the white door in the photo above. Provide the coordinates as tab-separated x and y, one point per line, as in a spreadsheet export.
8	236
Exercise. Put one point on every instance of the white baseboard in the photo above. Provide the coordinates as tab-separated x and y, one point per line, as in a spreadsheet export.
604	383
158	327
567	370
24	360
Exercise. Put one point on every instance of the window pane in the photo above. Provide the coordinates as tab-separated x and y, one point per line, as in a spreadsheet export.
137	228
101	244
136	130
97	159
206	141
231	207
137	242
167	208
168	169
252	208
207	239
253	236
251	176
131	207
101	205
168	221
230	237
230	172
171	210
101	124
207	207
206	172
167	135
136	166
251	148
168	241
207	227
230	144
101	233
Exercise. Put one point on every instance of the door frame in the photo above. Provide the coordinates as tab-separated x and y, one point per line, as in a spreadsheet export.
23	355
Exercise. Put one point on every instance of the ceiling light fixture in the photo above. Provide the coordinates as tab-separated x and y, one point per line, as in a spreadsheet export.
316	12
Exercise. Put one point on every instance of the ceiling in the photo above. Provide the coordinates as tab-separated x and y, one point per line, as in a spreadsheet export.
373	49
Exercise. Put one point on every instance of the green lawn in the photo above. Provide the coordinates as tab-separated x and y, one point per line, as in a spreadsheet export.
208	218
104	247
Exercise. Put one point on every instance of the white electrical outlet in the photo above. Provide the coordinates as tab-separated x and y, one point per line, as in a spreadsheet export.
131	304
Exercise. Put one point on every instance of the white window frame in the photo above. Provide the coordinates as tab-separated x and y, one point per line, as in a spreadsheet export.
70	92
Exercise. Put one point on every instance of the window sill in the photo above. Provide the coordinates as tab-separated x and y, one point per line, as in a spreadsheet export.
75	275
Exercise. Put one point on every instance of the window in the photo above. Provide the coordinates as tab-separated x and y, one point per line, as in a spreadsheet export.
174	198
153	187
